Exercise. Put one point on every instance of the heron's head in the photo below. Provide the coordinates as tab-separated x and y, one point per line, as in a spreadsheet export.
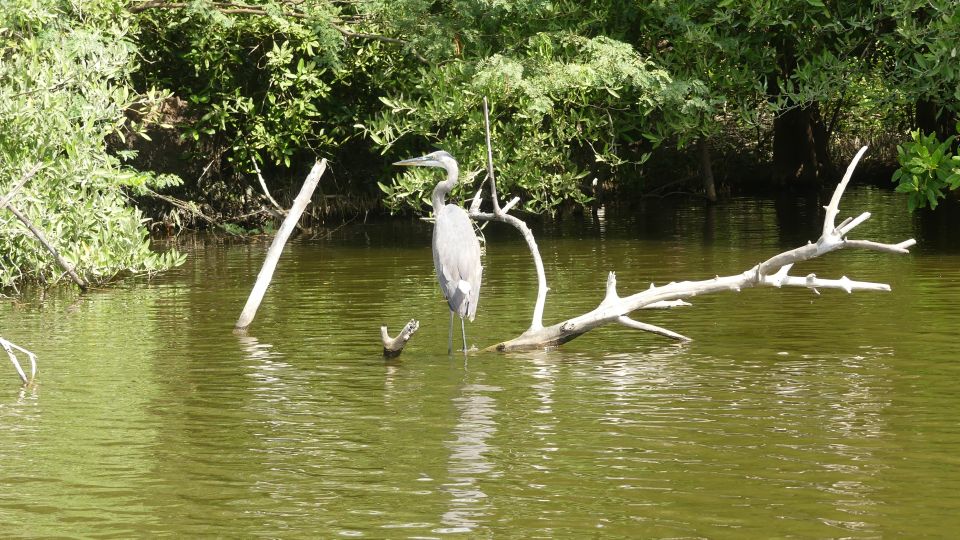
439	158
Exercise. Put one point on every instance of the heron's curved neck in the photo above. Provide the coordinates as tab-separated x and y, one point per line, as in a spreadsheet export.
439	196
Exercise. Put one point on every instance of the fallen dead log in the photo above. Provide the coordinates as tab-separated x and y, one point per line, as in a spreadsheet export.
393	346
276	248
774	272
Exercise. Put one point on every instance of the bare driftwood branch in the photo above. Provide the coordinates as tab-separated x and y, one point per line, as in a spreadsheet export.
7	201
501	215
774	272
183	205
278	210
392	347
9	346
276	248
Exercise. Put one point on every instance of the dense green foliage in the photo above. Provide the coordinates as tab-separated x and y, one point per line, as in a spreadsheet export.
579	91
921	52
564	112
255	84
63	91
583	94
927	168
924	63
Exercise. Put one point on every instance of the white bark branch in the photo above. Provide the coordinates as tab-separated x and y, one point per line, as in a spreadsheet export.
9	346
500	214
393	346
513	202
774	272
537	320
477	199
834	207
667	304
276	248
902	247
646	327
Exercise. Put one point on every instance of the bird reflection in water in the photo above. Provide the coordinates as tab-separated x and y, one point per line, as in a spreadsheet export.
468	462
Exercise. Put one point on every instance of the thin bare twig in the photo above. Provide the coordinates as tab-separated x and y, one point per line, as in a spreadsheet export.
490	175
263	184
6	201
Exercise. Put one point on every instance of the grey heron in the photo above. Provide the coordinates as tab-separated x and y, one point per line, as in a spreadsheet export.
456	250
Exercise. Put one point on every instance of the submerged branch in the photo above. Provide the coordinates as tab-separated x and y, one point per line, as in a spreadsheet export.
393	346
774	272
276	248
9	346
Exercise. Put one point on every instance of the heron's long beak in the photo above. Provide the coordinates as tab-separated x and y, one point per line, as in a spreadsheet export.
414	162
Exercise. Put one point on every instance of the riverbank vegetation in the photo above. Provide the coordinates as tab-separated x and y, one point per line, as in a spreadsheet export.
65	89
169	108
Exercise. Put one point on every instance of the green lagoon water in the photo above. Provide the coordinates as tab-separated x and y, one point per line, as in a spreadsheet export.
789	415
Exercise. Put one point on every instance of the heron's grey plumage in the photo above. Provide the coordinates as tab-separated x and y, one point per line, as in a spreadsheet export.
456	257
456	249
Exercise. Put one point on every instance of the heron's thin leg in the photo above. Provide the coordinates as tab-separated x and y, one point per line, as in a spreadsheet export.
463	330
450	335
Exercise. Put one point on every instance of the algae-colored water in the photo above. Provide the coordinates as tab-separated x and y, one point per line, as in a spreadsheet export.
789	415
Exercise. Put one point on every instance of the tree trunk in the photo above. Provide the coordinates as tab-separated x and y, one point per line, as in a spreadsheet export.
794	161
932	118
706	170
801	156
801	151
821	144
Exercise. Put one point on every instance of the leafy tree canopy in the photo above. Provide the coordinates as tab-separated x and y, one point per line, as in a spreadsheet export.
64	89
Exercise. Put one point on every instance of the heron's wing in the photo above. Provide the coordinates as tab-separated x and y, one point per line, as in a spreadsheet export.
456	256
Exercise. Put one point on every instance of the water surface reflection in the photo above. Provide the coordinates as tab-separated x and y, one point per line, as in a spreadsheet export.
789	415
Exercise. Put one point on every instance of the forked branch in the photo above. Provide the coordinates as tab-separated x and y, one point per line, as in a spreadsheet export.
774	272
501	215
393	346
9	347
